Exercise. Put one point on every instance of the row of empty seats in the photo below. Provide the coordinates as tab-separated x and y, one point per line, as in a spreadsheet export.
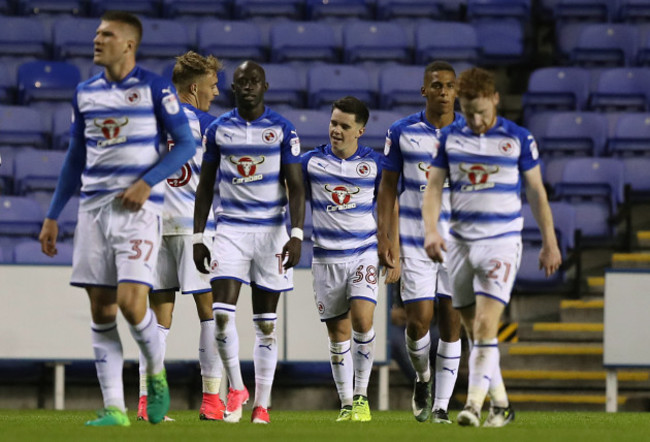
603	44
416	41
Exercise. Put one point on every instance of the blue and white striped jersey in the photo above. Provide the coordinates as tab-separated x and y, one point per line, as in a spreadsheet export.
342	194
180	190
250	153
411	144
485	178
122	125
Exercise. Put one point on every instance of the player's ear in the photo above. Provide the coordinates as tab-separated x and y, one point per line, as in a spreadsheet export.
495	99
422	91
266	86
362	131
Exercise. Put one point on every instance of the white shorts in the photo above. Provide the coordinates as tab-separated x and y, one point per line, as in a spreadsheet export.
423	280
483	270
252	258
335	285
175	269
113	245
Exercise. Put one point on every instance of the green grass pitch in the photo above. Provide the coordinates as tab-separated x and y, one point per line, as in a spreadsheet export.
392	426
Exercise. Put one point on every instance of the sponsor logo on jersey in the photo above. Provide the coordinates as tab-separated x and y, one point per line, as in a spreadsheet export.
363	169
110	128
295	145
424	167
269	136
183	179
341	195
246	166
478	175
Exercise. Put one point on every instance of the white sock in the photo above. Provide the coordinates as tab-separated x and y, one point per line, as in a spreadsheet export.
209	359
342	370
447	362
497	390
228	342
363	355
265	357
148	337
482	361
109	363
419	355
142	368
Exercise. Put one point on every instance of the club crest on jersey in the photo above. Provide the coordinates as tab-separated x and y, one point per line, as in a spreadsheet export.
110	128
269	136
478	175
341	196
424	167
132	97
246	166
506	147
363	169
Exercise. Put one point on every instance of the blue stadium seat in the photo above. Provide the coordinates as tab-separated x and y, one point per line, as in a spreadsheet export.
47	80
450	41
595	188
20	125
378	124
285	86
149	8
303	41
637	178
643	53
37	170
236	40
292	9
7	153
631	135
606	44
553	170
622	89
375	41
74	7
529	276
72	37
326	83
7	84
574	134
163	38
311	125
22	36
197	8
499	10
61	121
500	41
598	11
319	9
400	86
566	39
634	10
20	216
391	9
29	252
557	88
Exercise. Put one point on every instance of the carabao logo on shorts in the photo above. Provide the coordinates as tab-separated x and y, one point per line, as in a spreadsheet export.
341	195
478	175
246	166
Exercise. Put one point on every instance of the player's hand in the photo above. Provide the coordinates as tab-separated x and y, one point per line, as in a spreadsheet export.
434	246
202	259
135	196
550	259
48	235
393	275
384	250
292	251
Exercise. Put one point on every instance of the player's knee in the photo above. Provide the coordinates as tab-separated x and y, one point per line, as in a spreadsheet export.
266	328
222	321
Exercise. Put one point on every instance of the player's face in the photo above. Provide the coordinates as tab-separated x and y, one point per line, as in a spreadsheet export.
480	113
249	85
344	131
113	41
440	91
206	90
